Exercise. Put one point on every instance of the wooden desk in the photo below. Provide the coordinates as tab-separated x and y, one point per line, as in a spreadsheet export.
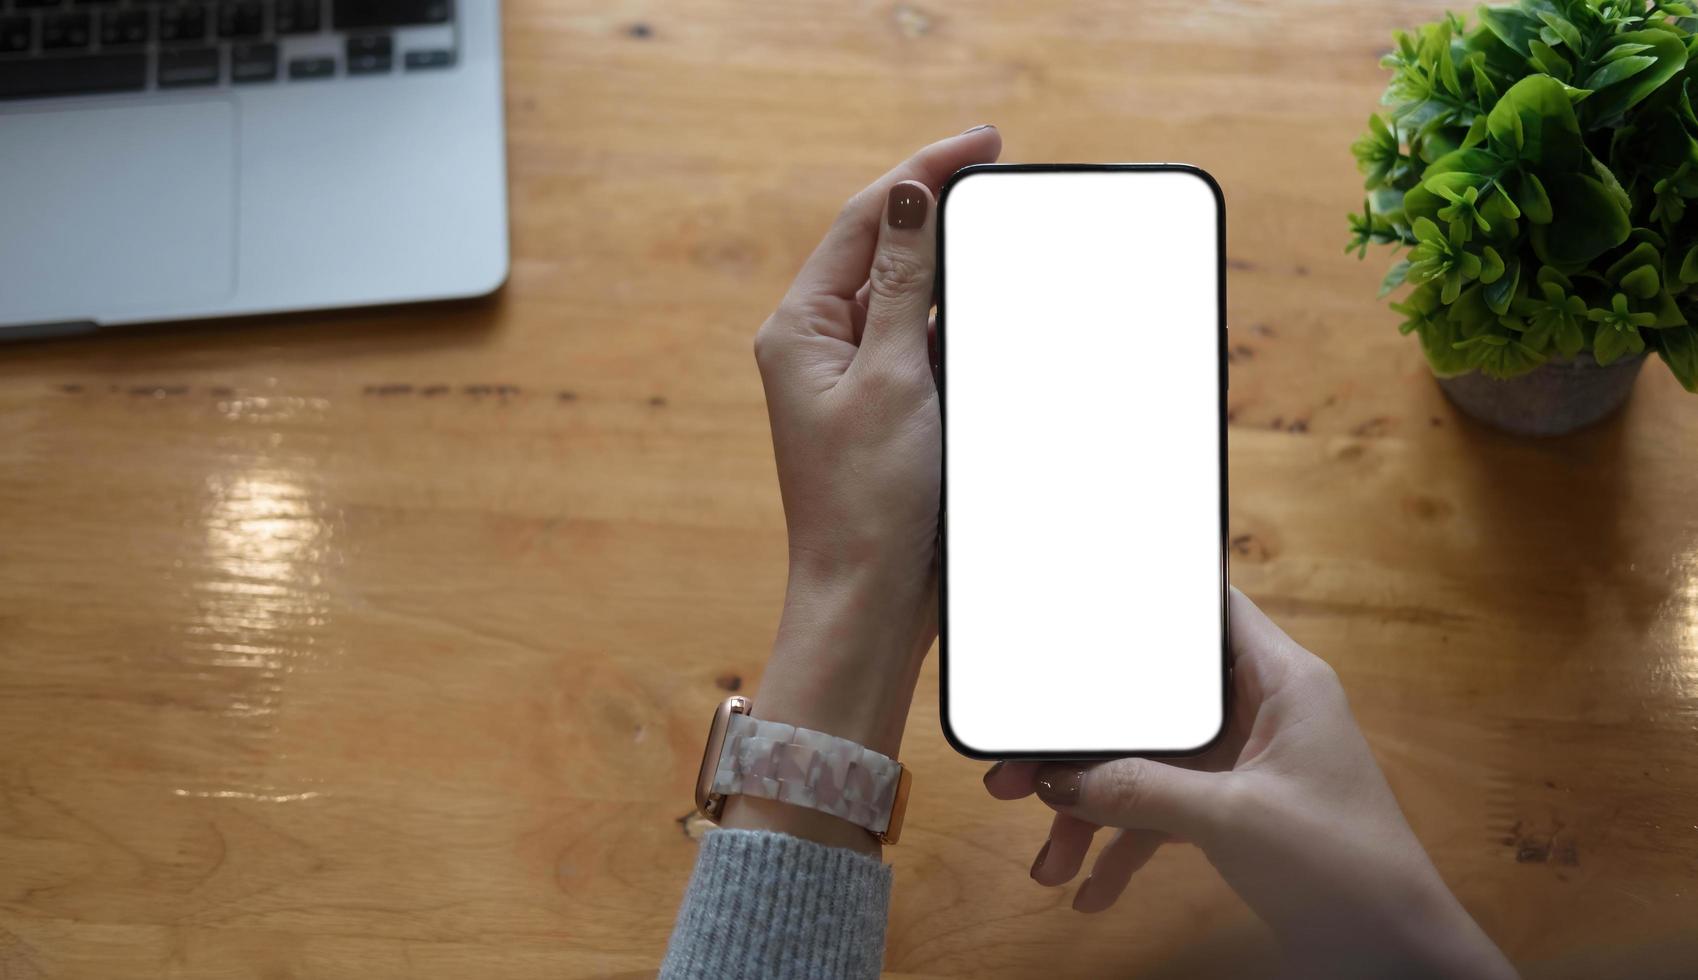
383	643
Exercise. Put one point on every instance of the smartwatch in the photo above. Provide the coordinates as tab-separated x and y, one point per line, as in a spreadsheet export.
775	761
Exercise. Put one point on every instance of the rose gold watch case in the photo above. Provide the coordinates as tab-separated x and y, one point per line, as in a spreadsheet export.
898	809
707	801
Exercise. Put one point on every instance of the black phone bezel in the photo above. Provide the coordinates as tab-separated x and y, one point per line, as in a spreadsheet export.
943	516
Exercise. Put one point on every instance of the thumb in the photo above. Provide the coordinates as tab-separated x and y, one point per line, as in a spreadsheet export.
900	282
1139	794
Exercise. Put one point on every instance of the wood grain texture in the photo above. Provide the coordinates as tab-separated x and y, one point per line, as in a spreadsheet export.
383	643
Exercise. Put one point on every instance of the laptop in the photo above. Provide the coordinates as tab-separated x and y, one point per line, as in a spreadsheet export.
167	160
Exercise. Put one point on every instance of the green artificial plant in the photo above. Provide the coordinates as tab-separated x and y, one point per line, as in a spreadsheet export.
1537	168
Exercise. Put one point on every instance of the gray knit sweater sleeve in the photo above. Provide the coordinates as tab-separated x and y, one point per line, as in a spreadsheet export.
769	905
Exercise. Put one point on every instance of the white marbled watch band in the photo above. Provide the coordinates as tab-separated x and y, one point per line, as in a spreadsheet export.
775	761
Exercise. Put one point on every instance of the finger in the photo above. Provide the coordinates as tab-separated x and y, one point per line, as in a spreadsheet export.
838	265
1253	633
1266	658
901	280
1011	780
1119	859
1139	794
1059	859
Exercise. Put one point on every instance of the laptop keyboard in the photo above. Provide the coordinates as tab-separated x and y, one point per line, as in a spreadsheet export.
83	47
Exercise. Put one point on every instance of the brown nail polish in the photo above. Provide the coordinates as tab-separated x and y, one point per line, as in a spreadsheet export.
1039	860
1060	786
907	207
975	129
992	771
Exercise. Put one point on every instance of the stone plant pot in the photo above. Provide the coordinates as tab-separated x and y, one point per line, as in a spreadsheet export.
1554	398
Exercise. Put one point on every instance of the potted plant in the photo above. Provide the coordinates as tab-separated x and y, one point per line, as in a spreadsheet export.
1538	168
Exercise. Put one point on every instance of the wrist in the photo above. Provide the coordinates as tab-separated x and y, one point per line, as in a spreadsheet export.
848	653
845	662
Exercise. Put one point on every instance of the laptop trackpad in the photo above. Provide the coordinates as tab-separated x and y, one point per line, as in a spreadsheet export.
112	211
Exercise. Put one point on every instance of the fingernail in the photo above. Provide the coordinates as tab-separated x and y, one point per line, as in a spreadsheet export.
992	771
1079	896
1039	860
975	129
1060	786
907	208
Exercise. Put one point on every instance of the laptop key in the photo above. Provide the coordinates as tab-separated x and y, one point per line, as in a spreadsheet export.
312	68
362	15
61	31
253	62
240	18
370	54
417	60
119	28
16	34
182	23
296	16
179	67
72	76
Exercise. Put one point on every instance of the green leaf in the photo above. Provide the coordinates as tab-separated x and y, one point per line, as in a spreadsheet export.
1689	266
1623	50
1586	222
1535	203
1649	237
1549	62
1500	355
1439	336
1395	277
1534	121
1501	290
1476	133
1447	73
1669	55
1641	283
1679	350
1611	185
1549	276
1422	203
1470	313
1569	338
1643	254
1484	90
1451	185
1491	269
1511	26
1568	32
1619	70
1536	336
1668	313
1611	344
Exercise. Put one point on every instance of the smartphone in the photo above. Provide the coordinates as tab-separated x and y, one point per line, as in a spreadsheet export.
1081	340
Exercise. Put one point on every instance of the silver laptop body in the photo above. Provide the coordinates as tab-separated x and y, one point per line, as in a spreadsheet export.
293	154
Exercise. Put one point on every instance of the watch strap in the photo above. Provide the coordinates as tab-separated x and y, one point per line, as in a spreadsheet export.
775	761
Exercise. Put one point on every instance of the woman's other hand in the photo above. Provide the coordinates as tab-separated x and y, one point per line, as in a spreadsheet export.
1289	806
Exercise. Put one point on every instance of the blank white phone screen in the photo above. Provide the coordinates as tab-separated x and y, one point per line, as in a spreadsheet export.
1084	578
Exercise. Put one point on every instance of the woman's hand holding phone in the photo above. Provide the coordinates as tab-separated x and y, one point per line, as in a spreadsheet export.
858	439
1291	809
